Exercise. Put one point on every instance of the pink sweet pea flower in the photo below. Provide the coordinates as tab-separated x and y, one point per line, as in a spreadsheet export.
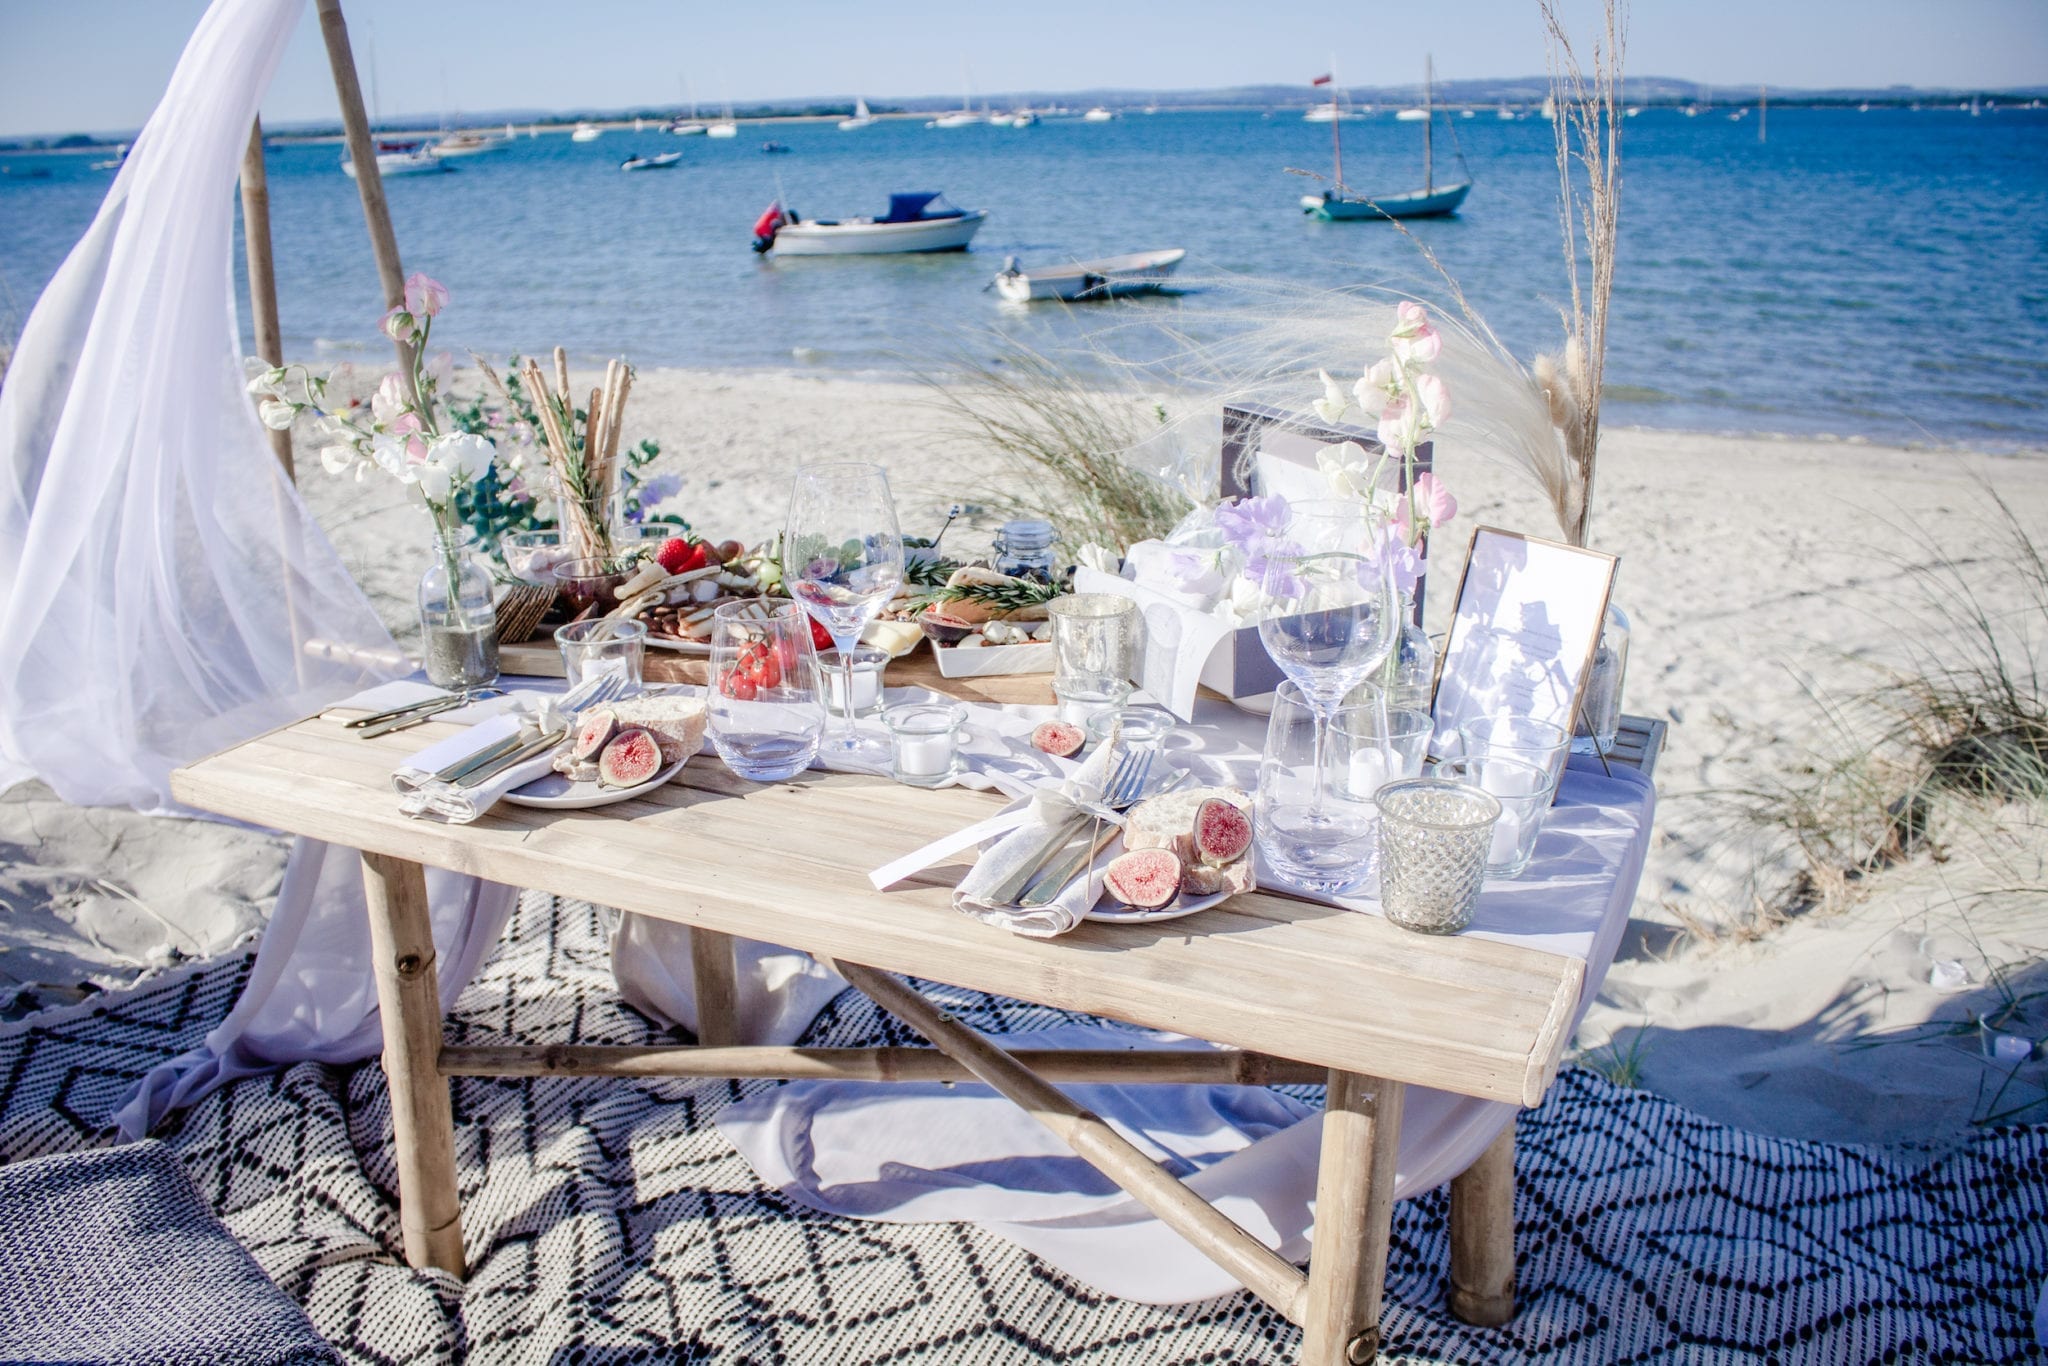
1377	386
389	402
398	325
1393	428
1435	397
1414	340
424	295
1433	496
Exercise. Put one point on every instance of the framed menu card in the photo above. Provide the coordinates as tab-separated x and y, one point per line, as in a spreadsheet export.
1522	638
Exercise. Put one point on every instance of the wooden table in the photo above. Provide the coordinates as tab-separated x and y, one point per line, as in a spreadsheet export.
1300	992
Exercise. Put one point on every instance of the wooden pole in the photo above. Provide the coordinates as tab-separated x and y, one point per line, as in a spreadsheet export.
1257	1267
1482	1288
409	1005
263	276
362	151
1175	1066
1347	1268
717	983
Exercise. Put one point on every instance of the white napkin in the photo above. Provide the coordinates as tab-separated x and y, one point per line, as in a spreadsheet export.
1051	806
404	692
421	794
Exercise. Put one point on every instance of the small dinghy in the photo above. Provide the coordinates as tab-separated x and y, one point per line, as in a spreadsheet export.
660	162
1112	277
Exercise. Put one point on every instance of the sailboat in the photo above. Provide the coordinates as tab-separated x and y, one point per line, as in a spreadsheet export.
725	127
861	118
1431	201
1331	112
965	116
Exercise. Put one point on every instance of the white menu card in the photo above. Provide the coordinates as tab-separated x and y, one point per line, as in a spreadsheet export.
1527	623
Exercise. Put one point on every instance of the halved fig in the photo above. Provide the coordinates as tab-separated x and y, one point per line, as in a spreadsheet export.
632	757
593	732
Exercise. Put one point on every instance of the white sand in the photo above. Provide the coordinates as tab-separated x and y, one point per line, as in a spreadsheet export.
1753	568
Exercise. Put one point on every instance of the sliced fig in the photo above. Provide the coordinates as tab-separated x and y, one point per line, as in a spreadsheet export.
945	630
593	732
1222	832
632	757
1145	879
1058	739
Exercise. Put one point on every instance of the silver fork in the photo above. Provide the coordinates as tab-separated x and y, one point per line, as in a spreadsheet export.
1074	857
1003	892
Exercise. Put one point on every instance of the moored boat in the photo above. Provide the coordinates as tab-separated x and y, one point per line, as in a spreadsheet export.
466	145
401	158
919	221
586	132
1098	115
660	162
861	118
1142	272
1338	205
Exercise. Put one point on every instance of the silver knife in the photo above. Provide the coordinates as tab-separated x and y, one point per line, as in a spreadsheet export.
478	776
412	718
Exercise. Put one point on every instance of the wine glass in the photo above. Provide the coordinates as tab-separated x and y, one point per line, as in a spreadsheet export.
1333	621
842	558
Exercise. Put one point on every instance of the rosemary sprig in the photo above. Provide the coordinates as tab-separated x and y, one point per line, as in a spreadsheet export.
1006	597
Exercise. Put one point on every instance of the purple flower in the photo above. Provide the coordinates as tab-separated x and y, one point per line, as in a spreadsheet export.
1245	521
1275	557
1391	555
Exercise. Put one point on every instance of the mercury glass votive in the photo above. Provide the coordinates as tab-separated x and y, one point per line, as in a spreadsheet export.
1434	836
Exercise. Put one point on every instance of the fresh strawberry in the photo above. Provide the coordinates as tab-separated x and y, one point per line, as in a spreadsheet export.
674	555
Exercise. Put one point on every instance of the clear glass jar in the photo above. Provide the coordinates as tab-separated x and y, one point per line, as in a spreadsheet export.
1600	717
1409	675
458	617
1024	549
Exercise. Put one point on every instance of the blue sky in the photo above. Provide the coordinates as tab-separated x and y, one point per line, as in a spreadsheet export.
67	65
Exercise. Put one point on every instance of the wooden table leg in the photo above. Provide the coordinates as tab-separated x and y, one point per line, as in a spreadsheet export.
409	1003
1482	1288
717	983
1347	1268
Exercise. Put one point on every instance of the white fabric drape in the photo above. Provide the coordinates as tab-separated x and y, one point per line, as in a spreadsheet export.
160	572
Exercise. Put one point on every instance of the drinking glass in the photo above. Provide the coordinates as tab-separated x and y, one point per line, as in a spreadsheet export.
1313	816
1137	728
1333	620
588	583
1523	790
842	558
765	714
590	648
924	741
1542	743
1094	642
1433	839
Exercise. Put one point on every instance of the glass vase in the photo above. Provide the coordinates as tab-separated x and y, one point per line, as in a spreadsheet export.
458	618
1409	676
1600	715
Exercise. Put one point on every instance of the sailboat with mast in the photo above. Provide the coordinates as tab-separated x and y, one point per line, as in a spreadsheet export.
1431	201
861	118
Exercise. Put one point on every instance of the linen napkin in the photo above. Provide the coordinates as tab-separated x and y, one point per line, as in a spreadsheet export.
995	752
423	795
1050	807
404	692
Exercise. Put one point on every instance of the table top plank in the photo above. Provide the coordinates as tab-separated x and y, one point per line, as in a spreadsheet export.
787	863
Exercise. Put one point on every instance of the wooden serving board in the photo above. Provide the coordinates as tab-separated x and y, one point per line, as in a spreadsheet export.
918	669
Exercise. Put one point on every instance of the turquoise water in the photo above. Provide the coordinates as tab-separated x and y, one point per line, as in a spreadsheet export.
1881	274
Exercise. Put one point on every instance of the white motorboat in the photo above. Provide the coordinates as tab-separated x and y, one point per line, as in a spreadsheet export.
1098	115
1411	115
861	118
586	132
1324	113
1024	118
726	127
401	158
959	118
466	145
686	128
660	162
1002	120
1142	272
920	221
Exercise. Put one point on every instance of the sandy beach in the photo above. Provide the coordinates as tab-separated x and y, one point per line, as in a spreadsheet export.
1761	574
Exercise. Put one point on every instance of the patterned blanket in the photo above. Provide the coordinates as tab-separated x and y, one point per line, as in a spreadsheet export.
607	1222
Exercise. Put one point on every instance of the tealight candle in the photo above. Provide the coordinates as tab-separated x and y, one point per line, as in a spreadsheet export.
923	737
867	678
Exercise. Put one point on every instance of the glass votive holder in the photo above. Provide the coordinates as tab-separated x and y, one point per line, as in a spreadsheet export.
924	741
1523	791
533	555
868	663
1542	743
1094	641
1383	747
1434	835
1079	704
1138	727
591	648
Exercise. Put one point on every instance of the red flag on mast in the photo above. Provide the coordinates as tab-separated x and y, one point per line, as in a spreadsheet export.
1323	79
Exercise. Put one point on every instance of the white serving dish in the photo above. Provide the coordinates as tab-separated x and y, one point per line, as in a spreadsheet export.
987	660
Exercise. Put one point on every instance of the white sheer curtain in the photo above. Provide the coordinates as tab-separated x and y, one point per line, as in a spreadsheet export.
160	573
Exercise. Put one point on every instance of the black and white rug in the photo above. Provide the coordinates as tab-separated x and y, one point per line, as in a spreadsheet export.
607	1222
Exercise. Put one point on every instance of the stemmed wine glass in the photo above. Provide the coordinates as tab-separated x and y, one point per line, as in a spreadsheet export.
842	558
1334	620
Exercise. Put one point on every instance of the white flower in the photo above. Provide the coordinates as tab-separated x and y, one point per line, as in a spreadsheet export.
1330	407
466	457
1348	469
1436	399
276	414
436	483
1099	558
389	402
1381	382
340	459
268	381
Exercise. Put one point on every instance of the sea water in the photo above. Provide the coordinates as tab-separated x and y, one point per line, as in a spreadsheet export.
1877	274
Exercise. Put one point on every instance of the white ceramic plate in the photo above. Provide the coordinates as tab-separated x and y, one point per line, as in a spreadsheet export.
554	791
1111	914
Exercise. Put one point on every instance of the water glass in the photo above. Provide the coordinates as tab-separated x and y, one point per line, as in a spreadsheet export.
1094	642
1384	746
1140	727
592	648
765	712
1542	743
924	741
1433	840
1523	791
1314	822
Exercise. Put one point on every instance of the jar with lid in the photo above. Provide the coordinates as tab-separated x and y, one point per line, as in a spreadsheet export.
1024	549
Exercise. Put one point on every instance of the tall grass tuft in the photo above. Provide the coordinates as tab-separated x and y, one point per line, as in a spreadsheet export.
1064	444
